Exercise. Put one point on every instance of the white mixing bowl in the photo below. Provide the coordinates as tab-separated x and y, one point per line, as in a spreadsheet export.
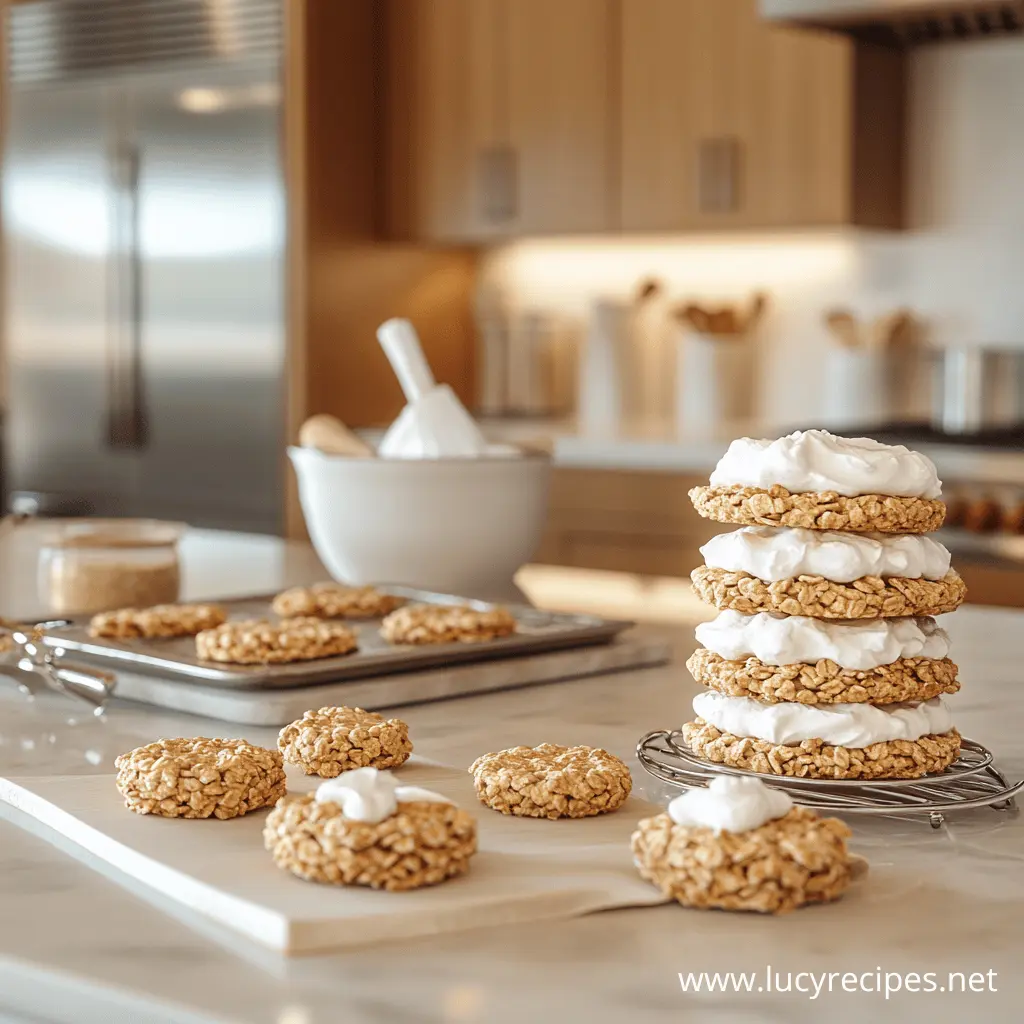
462	526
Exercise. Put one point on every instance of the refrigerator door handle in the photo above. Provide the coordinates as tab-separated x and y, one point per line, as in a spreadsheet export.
127	423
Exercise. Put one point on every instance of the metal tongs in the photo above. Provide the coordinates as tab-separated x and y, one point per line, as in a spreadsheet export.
38	661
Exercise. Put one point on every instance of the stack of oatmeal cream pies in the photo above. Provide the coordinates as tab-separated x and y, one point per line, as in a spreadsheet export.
825	660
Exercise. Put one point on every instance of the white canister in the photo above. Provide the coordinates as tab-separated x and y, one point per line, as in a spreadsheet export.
715	380
859	385
603	367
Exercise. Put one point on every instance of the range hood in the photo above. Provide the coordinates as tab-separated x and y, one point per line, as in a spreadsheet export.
903	22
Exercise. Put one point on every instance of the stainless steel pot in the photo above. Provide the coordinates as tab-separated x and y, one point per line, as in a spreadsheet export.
978	389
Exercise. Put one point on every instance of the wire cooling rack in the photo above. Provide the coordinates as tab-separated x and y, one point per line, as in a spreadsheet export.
971	781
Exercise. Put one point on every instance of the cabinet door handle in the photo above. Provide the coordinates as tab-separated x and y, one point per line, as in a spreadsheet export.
498	177
719	172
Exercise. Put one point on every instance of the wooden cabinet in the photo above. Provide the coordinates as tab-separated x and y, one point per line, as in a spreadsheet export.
625	521
728	122
500	118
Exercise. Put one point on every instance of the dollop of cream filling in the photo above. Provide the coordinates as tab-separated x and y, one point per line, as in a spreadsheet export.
772	554
842	725
858	645
730	804
370	795
815	460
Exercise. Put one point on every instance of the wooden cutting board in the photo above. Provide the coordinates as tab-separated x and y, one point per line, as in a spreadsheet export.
526	870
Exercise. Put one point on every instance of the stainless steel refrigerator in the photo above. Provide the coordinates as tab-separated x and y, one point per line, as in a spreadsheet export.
144	227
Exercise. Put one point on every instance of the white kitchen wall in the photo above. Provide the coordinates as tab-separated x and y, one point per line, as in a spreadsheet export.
960	266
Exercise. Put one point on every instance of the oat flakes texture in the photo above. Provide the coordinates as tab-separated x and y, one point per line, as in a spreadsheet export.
551	781
421	844
444	624
824	682
257	642
332	740
870	597
784	864
334	601
813	759
162	621
199	778
827	510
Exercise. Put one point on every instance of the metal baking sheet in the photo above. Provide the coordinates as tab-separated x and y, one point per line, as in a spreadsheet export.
537	631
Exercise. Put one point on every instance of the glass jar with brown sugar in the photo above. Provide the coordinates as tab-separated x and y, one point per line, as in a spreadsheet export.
93	565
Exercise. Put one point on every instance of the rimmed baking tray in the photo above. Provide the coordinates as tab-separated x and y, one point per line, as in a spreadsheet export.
537	632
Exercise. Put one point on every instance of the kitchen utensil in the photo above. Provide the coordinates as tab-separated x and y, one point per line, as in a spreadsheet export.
329	434
977	389
463	525
434	424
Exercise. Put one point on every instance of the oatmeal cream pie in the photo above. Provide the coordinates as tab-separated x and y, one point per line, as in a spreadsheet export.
256	642
827	574
816	480
443	624
834	741
550	781
335	601
330	741
739	845
814	661
162	621
363	828
199	778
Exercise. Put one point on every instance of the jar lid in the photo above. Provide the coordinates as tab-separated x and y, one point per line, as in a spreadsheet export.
114	533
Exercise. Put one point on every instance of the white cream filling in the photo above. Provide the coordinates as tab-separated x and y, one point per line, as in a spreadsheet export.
842	725
366	794
730	804
771	553
815	460
859	645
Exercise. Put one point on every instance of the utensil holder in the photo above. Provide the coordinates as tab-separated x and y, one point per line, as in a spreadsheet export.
714	380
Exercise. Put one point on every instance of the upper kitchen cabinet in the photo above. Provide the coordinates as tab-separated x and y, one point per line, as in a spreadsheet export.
729	123
500	118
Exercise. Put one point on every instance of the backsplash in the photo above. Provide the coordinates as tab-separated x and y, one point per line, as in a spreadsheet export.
959	267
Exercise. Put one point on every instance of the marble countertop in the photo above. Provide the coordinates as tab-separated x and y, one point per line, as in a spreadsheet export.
76	945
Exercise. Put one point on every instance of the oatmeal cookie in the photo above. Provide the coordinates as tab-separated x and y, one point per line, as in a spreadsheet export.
825	682
825	510
256	642
870	597
444	624
814	759
786	863
335	601
199	778
421	844
162	621
550	781
330	741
